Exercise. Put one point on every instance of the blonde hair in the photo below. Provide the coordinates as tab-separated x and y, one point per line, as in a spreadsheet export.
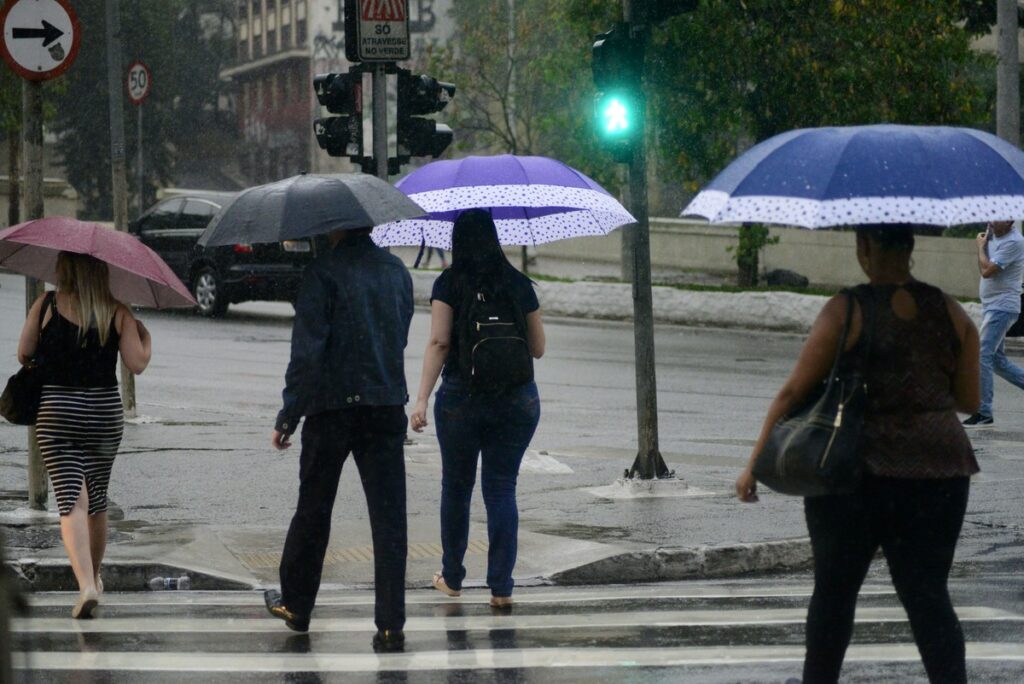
88	279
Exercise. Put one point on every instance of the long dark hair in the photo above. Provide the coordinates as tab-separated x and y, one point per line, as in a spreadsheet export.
477	258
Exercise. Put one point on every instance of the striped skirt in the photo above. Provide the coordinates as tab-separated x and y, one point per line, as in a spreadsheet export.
79	430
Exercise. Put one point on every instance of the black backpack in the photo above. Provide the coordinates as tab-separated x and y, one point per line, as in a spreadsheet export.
493	352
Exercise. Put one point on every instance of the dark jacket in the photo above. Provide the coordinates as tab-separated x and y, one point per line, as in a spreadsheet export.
351	326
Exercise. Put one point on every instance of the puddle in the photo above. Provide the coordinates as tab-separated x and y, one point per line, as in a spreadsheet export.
582	532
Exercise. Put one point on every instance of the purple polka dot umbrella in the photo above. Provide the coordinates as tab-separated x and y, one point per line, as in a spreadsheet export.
533	200
819	177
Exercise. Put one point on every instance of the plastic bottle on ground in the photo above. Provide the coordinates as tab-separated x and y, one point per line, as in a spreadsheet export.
182	583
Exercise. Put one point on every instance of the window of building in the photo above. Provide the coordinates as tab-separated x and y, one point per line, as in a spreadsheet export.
256	7
242	10
300	22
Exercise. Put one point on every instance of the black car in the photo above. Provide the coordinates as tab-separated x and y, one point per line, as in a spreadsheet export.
218	276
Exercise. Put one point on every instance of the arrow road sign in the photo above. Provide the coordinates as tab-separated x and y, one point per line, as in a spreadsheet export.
40	37
48	33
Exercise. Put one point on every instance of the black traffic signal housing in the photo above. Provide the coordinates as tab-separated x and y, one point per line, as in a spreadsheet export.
619	105
418	95
340	136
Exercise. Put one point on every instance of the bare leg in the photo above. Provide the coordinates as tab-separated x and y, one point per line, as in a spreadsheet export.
97	540
74	530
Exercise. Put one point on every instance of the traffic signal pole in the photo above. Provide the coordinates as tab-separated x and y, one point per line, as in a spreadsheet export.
648	463
380	120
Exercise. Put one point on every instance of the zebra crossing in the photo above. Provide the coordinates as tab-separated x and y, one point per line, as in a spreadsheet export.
701	632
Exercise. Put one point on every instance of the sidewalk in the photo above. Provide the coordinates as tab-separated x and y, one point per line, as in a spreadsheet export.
572	530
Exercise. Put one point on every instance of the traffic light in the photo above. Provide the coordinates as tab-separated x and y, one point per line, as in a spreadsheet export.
340	136
417	95
619	106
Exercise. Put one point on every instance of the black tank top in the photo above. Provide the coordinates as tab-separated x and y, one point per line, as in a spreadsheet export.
72	362
911	429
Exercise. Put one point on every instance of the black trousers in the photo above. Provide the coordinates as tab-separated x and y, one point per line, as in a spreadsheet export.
374	435
916	523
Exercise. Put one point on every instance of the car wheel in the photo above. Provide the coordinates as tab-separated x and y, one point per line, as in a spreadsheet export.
209	293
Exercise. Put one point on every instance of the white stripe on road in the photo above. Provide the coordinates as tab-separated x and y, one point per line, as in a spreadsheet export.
482	659
666	618
534	597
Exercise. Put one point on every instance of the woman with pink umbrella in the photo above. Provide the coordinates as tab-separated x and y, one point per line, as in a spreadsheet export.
75	335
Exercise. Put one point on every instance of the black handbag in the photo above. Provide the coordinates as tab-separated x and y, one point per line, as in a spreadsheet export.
19	403
815	450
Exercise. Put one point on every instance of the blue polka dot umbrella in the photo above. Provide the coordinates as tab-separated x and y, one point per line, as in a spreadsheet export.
820	177
533	200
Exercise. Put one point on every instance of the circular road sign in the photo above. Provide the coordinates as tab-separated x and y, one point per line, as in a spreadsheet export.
40	37
138	82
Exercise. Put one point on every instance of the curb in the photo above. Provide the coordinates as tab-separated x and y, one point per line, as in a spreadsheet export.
35	575
667	564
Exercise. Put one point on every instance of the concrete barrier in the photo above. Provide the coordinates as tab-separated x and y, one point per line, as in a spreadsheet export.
826	257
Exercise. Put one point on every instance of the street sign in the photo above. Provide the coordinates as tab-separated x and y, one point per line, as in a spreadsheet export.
40	37
382	31
138	82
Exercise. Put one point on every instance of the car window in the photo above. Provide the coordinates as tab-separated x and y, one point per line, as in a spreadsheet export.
197	213
163	216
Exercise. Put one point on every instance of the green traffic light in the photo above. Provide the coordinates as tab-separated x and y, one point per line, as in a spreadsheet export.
615	116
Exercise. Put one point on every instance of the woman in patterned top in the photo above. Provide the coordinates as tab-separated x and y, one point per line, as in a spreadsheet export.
80	414
921	368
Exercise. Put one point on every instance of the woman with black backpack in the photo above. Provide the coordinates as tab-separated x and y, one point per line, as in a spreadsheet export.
485	331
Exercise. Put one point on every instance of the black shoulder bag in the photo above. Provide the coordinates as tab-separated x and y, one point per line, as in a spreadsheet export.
815	450
19	403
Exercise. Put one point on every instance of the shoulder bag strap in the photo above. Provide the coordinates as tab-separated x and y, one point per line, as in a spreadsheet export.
842	339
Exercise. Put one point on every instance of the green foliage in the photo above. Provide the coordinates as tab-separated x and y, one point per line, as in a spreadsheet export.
733	73
184	57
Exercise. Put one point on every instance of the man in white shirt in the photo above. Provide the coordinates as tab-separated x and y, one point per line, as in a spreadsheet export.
1001	263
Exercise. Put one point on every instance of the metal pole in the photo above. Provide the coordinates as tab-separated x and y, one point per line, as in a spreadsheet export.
142	176
1008	74
14	178
380	120
118	167
32	113
648	463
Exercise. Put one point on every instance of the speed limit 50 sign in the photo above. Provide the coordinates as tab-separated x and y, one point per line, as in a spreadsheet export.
138	82
382	30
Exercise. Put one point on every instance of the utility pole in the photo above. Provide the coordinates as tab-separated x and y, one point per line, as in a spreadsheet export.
118	166
637	252
32	123
1008	73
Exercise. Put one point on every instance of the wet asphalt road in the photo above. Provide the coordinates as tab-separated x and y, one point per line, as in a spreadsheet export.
199	452
726	631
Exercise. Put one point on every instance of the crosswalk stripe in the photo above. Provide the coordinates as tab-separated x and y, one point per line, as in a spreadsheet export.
239	598
577	621
479	659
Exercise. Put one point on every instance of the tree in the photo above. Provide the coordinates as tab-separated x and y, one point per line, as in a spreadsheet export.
184	57
512	93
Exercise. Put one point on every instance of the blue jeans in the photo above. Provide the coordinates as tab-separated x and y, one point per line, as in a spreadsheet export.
994	325
497	428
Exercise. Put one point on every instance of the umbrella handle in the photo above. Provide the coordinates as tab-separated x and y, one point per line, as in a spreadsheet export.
423	246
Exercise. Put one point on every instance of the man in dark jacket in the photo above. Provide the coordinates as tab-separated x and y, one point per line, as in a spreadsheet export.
346	376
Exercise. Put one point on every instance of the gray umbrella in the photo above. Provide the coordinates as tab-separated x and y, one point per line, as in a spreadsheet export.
307	205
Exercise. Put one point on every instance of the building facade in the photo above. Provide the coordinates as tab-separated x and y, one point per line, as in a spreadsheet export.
281	45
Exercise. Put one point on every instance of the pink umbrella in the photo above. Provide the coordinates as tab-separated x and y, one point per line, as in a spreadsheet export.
137	274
